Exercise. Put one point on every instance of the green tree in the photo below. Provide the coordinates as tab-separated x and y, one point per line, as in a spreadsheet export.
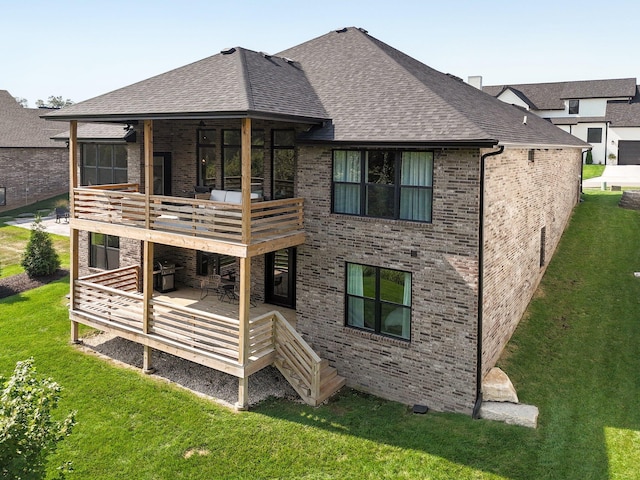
54	102
22	101
28	434
40	258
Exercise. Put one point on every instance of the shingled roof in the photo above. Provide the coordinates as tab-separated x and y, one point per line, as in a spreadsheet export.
551	96
22	127
625	114
354	87
235	83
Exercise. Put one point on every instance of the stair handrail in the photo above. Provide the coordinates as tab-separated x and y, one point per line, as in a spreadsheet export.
312	369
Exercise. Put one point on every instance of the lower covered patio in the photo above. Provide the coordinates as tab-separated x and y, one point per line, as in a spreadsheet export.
205	330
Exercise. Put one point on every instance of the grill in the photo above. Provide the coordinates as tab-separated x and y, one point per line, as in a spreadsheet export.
165	276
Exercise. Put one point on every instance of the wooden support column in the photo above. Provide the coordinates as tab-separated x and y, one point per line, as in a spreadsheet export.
243	334
73	232
148	247
245	148
245	264
147	309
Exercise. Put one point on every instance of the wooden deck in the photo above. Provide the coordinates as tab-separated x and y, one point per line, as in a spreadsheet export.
204	330
190	297
189	223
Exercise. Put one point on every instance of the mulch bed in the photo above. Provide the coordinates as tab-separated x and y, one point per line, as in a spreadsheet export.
21	282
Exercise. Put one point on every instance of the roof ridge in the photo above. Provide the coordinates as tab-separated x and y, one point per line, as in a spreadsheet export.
376	42
245	77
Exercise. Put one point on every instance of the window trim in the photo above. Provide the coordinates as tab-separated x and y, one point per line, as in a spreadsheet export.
594	130
274	149
574	107
104	247
378	302
397	186
254	149
97	167
200	147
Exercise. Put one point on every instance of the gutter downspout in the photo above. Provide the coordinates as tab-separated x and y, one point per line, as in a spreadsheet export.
476	407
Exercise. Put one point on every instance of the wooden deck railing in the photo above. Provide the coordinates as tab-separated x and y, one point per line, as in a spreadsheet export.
195	328
294	355
112	297
185	216
111	301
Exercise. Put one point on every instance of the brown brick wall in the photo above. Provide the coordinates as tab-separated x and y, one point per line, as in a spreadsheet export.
437	367
33	174
521	198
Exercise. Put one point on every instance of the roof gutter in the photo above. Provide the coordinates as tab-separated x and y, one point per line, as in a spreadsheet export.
478	402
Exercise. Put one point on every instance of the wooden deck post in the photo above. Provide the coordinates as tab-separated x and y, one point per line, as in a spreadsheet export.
245	264
245	185
243	334
73	232
148	247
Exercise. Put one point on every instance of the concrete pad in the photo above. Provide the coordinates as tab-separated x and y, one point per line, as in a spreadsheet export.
510	413
620	175
57	228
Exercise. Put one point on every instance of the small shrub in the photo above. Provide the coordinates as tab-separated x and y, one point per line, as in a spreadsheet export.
40	258
589	159
28	434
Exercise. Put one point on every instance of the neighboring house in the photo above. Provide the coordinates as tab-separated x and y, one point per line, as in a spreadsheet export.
604	113
32	166
399	218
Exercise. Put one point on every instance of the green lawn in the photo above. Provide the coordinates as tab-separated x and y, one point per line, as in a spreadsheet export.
592	171
575	356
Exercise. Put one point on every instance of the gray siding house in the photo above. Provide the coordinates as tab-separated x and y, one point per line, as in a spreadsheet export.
377	222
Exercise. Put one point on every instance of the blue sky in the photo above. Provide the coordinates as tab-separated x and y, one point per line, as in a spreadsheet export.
79	49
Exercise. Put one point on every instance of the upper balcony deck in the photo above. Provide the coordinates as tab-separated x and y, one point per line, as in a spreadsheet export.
189	223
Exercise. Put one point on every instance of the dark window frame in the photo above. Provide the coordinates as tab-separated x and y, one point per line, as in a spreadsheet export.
99	252
594	135
574	107
214	263
203	143
91	174
257	149
3	196
378	301
365	185
278	191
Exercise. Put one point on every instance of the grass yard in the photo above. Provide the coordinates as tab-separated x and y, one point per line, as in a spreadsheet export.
592	171
13	240
575	356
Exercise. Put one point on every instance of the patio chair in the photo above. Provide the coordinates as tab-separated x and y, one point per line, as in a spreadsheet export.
62	213
212	283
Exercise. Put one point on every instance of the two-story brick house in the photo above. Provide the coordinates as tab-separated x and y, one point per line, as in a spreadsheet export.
400	217
32	166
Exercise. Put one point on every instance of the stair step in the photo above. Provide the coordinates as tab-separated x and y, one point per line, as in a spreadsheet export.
329	388
327	374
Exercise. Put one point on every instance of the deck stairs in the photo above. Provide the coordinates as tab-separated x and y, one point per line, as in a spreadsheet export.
310	376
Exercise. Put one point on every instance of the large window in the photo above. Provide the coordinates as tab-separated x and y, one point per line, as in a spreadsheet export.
379	300
103	164
594	135
574	107
284	167
383	183
232	164
104	251
206	157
